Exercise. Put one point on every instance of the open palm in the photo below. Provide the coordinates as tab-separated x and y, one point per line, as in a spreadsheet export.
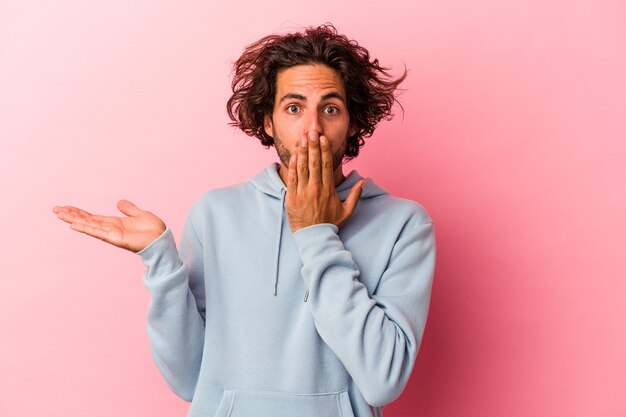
134	232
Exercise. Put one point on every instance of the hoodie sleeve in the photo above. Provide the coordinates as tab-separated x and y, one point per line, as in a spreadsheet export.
377	337
176	313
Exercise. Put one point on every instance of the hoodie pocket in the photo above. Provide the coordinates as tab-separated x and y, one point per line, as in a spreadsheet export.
237	403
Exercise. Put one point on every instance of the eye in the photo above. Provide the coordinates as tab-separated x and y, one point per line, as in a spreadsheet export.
292	108
331	110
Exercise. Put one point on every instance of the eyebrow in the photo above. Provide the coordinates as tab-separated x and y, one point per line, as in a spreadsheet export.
295	96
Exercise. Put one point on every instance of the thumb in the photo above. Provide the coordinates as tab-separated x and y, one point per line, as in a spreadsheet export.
353	198
128	208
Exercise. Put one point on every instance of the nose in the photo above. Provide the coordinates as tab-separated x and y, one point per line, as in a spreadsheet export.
313	123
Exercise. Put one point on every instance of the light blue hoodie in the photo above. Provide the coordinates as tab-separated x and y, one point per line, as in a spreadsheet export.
248	319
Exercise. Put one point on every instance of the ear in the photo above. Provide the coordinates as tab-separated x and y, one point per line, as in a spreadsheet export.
268	125
351	130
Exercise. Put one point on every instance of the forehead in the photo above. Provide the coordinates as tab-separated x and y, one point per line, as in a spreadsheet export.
310	78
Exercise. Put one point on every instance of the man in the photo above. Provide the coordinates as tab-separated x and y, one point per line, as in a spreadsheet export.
301	292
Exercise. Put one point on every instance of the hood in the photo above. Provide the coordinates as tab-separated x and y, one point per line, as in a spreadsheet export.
269	182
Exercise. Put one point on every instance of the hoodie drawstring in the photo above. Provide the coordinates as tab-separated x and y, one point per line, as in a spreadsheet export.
280	235
278	240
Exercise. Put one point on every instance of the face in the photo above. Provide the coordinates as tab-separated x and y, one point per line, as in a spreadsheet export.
309	98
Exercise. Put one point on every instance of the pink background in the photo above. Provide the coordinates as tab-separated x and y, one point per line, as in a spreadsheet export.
514	139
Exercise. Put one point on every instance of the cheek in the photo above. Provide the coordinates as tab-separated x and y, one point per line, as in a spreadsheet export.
285	127
338	146
337	133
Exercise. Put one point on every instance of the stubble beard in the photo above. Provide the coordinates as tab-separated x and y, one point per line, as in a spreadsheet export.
285	155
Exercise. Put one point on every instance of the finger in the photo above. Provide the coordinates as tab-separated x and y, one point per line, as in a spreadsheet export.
327	163
315	164
90	223
75	215
128	208
66	216
292	175
70	215
302	164
70	209
60	210
349	205
77	212
83	212
91	230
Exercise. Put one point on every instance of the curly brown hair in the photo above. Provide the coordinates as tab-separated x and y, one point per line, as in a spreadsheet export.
369	87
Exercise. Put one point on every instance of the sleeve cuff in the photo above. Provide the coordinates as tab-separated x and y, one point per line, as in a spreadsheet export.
161	252
317	239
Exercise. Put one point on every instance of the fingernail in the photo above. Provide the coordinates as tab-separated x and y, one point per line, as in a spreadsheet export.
303	143
323	140
313	137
